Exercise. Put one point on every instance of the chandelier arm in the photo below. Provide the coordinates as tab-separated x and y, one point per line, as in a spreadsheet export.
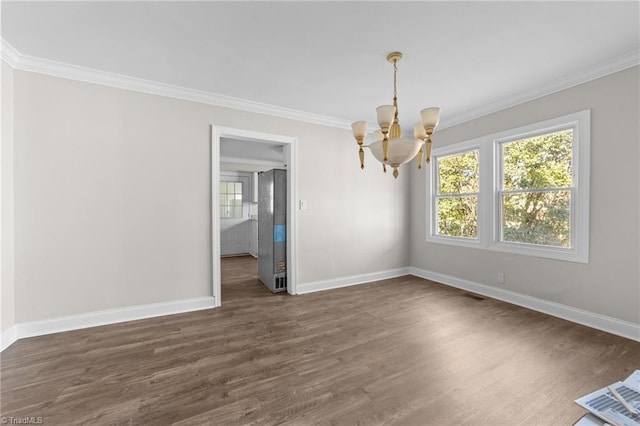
361	155
420	159
428	149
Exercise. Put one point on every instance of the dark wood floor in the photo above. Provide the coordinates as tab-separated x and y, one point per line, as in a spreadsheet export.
240	280
401	351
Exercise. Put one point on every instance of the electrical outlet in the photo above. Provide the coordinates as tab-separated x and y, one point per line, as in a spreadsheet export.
500	278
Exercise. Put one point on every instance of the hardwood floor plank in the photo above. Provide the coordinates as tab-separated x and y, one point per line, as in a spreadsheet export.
400	351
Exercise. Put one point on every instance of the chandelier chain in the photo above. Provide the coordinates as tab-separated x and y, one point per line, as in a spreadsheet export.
395	73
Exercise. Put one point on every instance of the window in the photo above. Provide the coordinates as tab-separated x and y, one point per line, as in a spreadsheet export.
523	191
535	194
457	195
230	200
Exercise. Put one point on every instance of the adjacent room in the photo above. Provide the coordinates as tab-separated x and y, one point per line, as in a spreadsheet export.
320	213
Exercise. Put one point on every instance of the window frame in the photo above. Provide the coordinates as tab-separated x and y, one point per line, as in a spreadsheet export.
438	195
489	197
432	196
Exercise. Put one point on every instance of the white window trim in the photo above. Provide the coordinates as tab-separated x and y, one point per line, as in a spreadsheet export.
489	214
432	182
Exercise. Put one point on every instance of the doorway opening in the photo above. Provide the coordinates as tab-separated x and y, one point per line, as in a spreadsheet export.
236	157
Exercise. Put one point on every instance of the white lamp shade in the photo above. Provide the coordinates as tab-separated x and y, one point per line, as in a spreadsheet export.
385	115
359	129
430	117
419	132
401	150
377	136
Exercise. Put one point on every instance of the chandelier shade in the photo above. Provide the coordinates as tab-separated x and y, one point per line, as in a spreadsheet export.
430	117
385	115
389	146
401	151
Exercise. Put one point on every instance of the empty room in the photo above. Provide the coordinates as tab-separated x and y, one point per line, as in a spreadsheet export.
320	213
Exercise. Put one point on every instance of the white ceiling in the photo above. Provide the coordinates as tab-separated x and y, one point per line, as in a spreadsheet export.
328	58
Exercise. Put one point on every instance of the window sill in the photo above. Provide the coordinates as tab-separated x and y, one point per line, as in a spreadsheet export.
546	252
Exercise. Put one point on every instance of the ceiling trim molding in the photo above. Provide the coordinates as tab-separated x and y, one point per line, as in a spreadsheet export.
73	72
89	75
8	54
621	63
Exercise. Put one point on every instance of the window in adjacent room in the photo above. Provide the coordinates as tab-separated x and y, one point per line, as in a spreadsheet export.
230	200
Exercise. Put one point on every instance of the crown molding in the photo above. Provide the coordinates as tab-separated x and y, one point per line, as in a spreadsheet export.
621	63
19	61
73	72
8	54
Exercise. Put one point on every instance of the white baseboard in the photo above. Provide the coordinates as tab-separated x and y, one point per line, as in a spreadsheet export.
8	337
314	286
590	319
110	316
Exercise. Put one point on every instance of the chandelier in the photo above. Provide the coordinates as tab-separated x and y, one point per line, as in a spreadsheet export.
389	147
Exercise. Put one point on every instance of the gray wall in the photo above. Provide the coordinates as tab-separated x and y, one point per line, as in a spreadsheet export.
7	293
112	198
111	201
610	283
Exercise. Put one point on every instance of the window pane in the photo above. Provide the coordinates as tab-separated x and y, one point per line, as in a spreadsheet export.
231	200
537	218
237	212
458	174
458	217
539	162
224	213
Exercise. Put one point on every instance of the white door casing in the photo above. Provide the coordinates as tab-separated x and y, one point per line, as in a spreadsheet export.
290	146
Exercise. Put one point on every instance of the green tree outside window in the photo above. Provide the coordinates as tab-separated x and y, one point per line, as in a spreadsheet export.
537	182
457	195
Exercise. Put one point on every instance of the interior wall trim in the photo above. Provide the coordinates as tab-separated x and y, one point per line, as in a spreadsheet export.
106	317
73	72
620	63
9	55
322	285
8	338
112	316
580	316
